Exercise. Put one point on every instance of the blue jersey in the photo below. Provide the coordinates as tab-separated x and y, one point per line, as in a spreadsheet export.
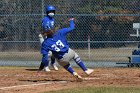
47	23
57	43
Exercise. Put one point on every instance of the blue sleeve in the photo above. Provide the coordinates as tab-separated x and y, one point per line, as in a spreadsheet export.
64	31
45	24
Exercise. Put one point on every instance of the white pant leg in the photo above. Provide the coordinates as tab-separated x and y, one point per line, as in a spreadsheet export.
67	57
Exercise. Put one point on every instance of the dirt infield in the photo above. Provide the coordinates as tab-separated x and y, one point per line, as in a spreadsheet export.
25	80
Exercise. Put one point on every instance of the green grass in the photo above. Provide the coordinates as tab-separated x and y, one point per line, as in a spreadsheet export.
99	90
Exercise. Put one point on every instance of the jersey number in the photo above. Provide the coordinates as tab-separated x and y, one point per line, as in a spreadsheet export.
58	45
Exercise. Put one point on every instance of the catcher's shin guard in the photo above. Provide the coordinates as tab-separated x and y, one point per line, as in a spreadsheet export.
41	66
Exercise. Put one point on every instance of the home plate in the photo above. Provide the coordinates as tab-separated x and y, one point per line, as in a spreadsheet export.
90	78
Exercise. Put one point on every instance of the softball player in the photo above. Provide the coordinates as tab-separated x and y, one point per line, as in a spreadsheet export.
57	43
47	25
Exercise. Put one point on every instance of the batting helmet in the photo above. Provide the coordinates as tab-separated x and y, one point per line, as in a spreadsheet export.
49	8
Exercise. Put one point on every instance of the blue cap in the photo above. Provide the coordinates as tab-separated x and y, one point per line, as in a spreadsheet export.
49	8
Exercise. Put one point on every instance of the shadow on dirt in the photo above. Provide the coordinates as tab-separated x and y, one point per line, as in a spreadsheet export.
31	69
49	80
40	80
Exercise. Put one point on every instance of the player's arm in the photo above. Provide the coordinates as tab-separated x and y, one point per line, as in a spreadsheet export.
72	26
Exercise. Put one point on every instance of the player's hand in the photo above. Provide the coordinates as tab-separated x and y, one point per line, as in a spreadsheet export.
71	19
40	36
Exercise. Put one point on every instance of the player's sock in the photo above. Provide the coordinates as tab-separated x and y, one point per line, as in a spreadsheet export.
52	60
53	63
80	63
69	68
41	66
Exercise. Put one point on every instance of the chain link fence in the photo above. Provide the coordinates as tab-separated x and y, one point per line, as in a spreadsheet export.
102	33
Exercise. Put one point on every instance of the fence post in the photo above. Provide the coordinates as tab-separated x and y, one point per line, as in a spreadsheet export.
89	47
42	8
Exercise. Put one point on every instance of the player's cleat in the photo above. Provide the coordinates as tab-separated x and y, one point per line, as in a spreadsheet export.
78	77
47	69
89	71
54	67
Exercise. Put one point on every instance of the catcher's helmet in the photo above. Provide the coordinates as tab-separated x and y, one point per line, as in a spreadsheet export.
49	8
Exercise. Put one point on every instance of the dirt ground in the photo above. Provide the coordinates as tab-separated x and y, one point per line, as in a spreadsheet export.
26	80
